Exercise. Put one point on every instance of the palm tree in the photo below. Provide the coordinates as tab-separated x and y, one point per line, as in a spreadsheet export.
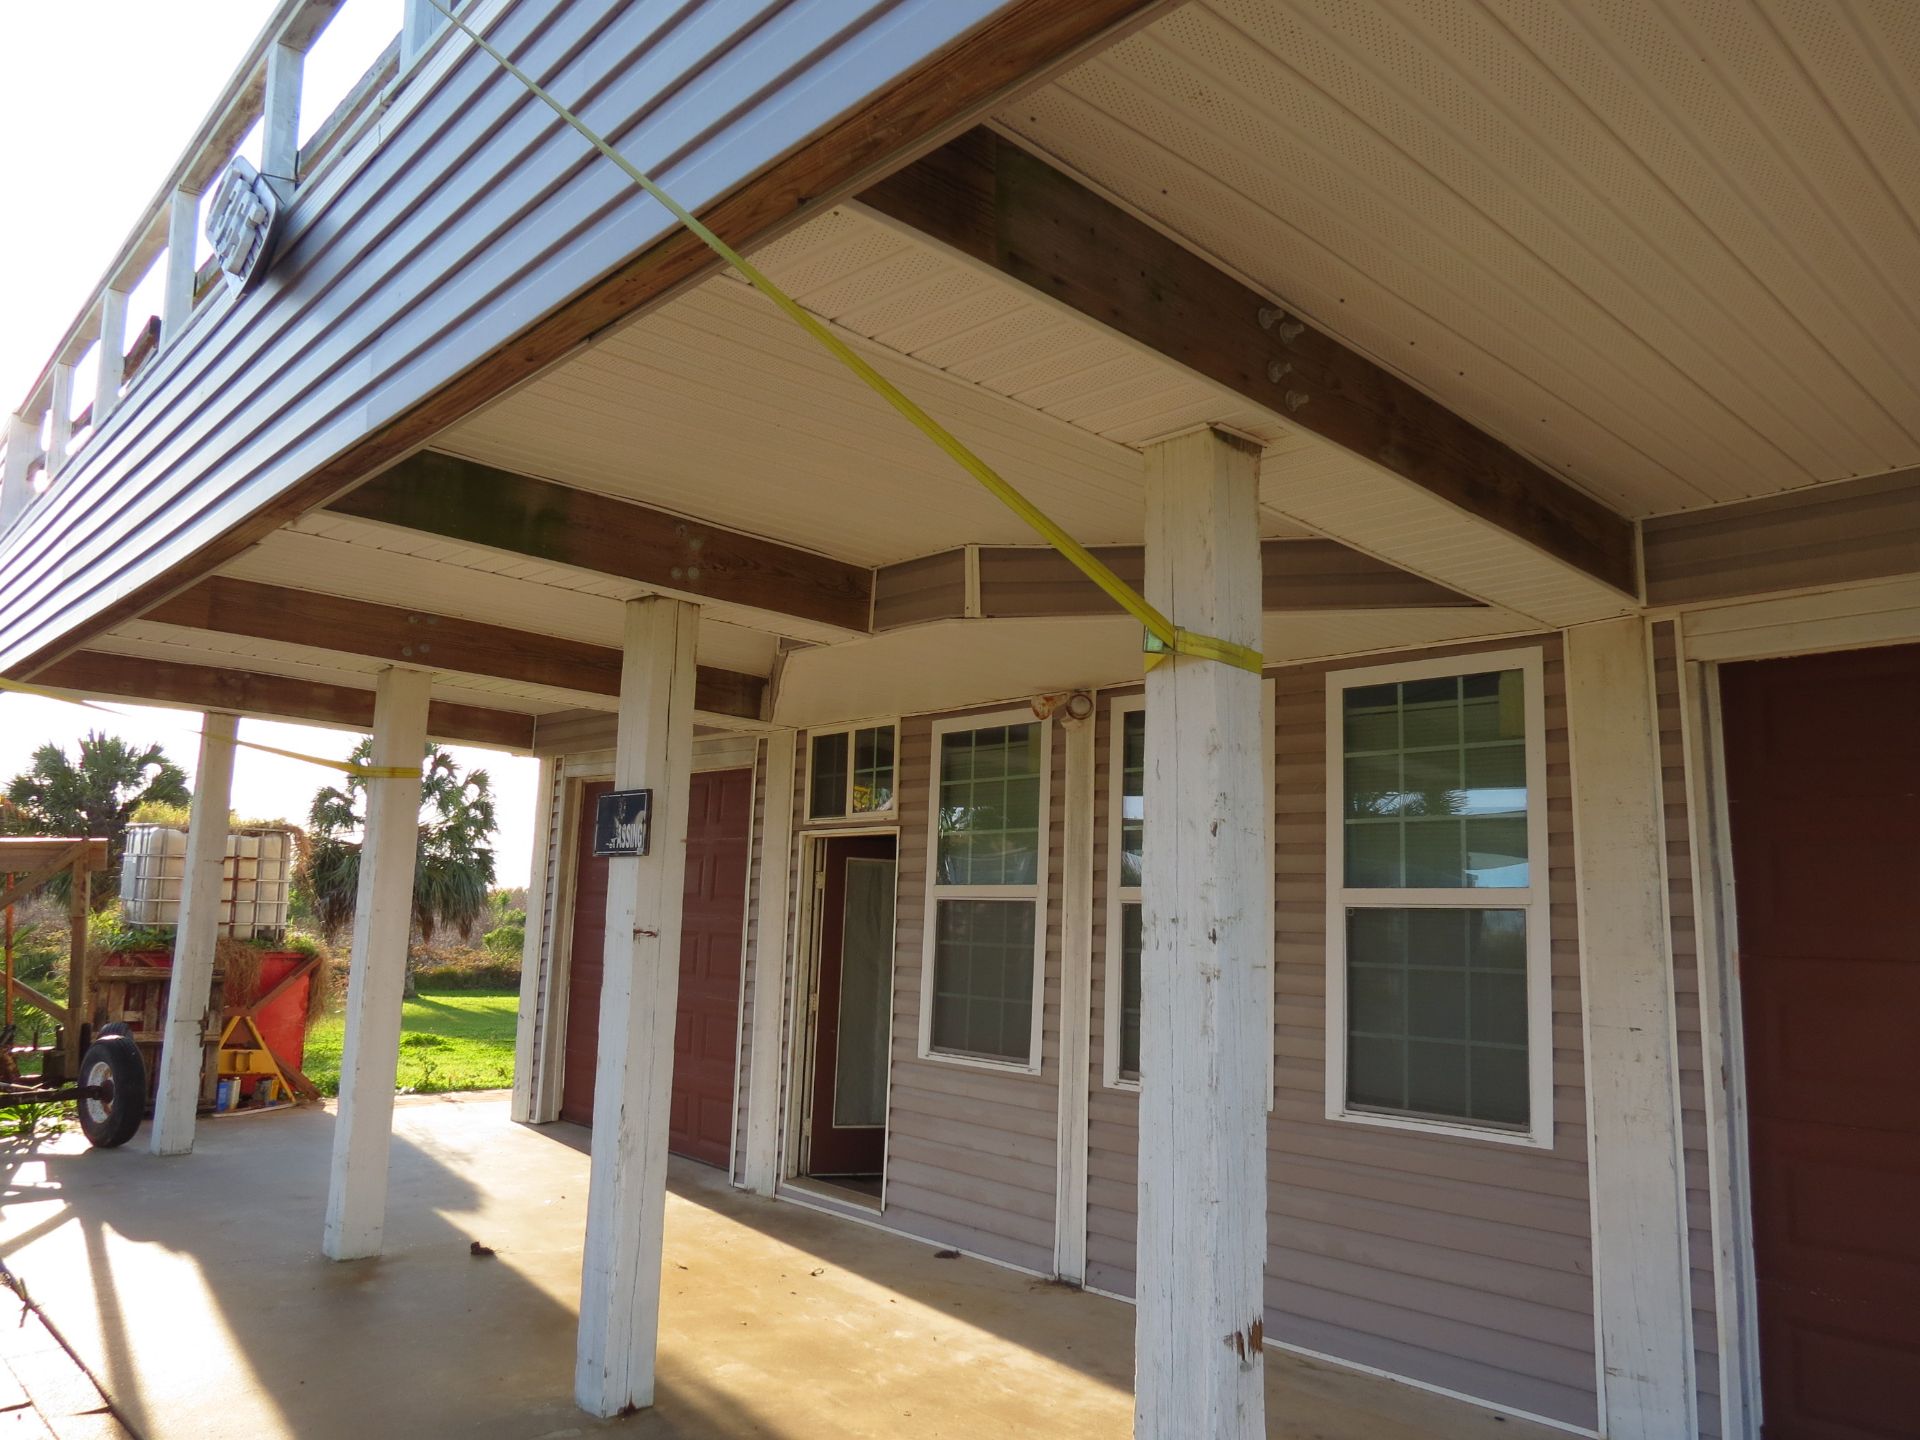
96	797
453	866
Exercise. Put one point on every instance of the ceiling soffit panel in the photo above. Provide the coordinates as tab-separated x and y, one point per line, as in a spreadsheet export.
1672	257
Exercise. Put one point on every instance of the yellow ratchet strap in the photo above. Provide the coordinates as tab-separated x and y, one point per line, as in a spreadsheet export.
359	772
1164	638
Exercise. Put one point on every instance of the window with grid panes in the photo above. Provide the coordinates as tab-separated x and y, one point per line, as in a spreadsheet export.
1438	892
850	772
986	880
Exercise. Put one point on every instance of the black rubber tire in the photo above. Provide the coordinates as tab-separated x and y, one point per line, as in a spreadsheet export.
113	1027
113	1061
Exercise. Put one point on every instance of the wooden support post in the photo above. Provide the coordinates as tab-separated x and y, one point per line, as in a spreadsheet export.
1076	1007
627	1192
60	418
280	118
377	978
770	965
183	224
111	355
1640	1266
526	1062
1199	1363
23	448
79	973
419	23
189	993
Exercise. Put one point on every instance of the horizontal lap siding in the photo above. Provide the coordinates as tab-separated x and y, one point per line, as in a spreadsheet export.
464	216
545	893
971	1153
1686	988
1459	1263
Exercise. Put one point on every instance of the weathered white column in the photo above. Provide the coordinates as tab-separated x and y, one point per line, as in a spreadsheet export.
190	992
770	965
377	977
23	448
183	223
111	370
60	418
1076	1006
1199	1366
420	21
1640	1270
280	117
627	1189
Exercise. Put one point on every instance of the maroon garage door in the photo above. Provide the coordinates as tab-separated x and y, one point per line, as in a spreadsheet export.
704	1040
1823	784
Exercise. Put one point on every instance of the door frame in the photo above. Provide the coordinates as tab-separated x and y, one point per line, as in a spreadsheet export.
796	1086
1772	629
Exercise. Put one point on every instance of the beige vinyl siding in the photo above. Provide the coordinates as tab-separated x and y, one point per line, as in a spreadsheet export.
1824	535
743	1069
933	587
545	893
970	1152
1459	1263
1687	1010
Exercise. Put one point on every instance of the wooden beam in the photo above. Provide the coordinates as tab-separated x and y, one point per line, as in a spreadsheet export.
1018	45
464	500
34	860
419	637
248	692
1003	207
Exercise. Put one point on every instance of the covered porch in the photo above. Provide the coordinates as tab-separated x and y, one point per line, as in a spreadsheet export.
202	1305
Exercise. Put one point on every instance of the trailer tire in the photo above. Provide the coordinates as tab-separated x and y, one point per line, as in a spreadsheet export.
113	1062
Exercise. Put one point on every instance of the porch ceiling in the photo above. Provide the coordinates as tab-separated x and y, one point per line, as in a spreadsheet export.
1668	250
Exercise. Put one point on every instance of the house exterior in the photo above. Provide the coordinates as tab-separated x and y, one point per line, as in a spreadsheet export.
1499	983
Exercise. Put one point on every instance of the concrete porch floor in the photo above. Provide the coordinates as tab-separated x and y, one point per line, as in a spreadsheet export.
195	1292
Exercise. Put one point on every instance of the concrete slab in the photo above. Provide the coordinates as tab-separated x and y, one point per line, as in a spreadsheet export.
195	1291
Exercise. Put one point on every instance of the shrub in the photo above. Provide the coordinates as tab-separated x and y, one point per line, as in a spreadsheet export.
507	940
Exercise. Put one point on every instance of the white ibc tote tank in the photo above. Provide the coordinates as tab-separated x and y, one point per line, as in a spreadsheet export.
253	888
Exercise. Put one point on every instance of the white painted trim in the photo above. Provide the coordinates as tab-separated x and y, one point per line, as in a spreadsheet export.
526	1066
850	816
1723	1050
755	773
1852	617
1076	1004
770	964
1534	898
1117	895
1643	1311
1036	892
551	1092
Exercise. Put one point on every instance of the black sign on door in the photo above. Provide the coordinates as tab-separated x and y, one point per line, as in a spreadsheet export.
621	823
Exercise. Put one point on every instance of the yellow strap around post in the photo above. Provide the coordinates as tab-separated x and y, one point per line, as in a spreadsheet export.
348	767
1164	638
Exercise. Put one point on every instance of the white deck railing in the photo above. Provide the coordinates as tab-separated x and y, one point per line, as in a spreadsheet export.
46	432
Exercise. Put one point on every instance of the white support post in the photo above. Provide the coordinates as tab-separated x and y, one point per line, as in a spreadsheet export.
60	418
280	118
1199	1361
111	371
23	448
189	994
627	1186
1076	1007
377	979
183	223
1642	1306
770	966
535	983
419	23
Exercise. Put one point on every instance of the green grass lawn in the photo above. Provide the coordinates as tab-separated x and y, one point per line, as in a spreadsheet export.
454	1040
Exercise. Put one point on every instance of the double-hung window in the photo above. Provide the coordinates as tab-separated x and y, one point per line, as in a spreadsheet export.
986	891
850	772
1439	1012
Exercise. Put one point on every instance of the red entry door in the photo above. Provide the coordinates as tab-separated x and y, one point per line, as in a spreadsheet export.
719	818
1823	785
853	1014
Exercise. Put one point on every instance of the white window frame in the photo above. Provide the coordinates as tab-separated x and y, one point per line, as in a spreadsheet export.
1532	898
1036	892
850	816
1117	711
